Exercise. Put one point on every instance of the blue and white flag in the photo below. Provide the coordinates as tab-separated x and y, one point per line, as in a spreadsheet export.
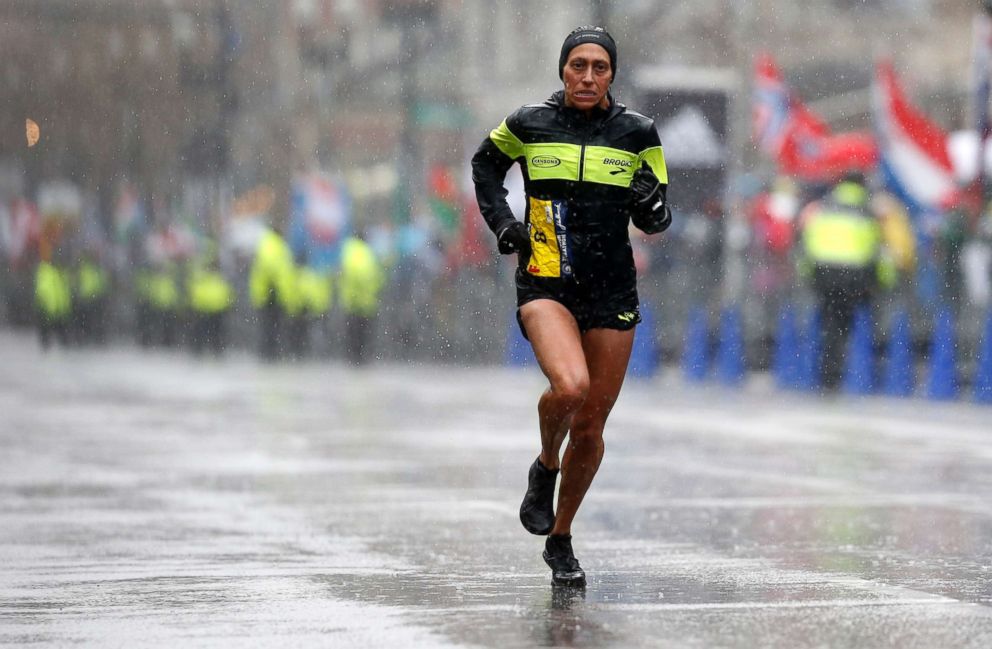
320	220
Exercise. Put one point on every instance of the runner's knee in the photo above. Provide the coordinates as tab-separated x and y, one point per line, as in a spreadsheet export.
571	390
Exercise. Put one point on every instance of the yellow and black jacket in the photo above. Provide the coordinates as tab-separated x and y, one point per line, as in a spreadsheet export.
577	174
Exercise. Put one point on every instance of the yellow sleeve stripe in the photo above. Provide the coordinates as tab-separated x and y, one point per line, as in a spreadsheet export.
506	141
655	157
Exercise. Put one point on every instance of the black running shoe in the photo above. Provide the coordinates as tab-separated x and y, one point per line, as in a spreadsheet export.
565	568
537	511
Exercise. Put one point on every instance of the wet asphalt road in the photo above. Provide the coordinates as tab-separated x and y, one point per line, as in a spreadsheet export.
159	500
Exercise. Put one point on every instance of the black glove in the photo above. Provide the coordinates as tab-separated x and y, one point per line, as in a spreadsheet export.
645	188
514	238
649	211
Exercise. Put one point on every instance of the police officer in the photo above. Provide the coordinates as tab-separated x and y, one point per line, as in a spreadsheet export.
314	288
53	302
359	286
165	300
210	298
842	253
271	287
92	288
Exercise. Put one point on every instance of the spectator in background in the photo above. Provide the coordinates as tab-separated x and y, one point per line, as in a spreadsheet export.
952	235
773	220
898	237
419	262
141	281
701	238
976	260
295	322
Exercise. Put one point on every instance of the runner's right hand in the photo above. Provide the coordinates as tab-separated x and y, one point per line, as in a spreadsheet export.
514	238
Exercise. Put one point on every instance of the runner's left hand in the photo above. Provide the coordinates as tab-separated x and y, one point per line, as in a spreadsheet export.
650	212
645	188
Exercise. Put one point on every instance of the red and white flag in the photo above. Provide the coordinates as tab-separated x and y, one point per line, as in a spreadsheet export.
797	139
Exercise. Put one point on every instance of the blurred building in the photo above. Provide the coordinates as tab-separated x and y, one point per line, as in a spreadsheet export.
171	93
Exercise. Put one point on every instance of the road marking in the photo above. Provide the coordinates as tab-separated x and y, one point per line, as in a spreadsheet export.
813	603
716	606
956	501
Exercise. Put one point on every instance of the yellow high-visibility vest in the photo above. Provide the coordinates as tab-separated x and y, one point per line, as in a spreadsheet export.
361	278
209	292
52	292
272	272
315	290
163	293
837	236
92	281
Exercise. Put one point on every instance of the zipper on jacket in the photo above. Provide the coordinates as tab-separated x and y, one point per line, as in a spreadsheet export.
582	149
582	159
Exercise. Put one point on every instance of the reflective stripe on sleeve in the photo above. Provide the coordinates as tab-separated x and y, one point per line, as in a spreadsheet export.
655	157
506	141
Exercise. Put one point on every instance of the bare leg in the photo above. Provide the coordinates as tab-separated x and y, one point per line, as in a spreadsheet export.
558	346
607	352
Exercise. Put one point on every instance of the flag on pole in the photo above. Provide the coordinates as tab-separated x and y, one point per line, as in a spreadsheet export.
797	139
772	106
129	212
320	219
444	197
20	227
914	160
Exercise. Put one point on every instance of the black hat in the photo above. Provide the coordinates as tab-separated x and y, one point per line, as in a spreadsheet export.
581	35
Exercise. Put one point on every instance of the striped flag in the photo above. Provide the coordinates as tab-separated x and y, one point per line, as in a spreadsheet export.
915	162
772	108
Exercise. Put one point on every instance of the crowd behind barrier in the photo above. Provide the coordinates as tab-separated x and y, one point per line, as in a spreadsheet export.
423	306
447	297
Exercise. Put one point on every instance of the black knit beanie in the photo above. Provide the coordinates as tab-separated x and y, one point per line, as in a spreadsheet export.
581	35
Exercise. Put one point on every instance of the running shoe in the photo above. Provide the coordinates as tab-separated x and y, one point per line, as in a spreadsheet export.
565	568
537	511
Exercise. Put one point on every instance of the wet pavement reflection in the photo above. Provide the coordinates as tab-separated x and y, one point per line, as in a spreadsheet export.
155	500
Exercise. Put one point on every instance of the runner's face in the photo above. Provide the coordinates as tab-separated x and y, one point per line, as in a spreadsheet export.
587	77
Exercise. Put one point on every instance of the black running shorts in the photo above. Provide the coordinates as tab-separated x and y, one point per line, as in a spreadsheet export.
593	305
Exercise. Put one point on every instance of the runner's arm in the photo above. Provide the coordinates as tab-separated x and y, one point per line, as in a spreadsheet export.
491	161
